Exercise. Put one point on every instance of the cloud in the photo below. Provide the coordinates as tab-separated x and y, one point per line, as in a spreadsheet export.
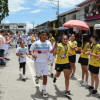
7	21
63	3
28	25
16	5
36	11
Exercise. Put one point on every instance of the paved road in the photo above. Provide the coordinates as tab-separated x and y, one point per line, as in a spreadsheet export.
12	88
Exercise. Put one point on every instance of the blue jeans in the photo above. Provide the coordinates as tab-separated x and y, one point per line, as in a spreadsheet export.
2	55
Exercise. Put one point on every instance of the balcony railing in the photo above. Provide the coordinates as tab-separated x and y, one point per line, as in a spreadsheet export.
92	16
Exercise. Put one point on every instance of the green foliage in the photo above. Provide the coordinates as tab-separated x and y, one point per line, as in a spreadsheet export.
4	11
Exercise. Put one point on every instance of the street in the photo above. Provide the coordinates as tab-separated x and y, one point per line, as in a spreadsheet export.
13	88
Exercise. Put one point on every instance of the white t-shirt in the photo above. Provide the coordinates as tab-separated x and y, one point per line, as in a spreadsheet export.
42	50
24	37
23	51
51	57
29	40
2	45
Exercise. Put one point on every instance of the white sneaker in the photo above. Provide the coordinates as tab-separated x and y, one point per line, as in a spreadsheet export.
44	94
85	84
37	80
24	77
81	81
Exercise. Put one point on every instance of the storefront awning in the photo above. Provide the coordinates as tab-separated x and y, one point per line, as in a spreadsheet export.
97	26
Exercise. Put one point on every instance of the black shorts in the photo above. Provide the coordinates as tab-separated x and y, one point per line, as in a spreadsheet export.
83	61
72	58
61	67
22	65
94	70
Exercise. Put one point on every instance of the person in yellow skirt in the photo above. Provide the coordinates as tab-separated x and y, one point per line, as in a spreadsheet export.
84	59
72	58
94	64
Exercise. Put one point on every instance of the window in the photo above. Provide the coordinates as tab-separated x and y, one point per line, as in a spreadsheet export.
6	27
20	26
64	19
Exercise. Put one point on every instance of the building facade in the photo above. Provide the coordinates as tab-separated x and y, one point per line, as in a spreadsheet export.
20	27
72	14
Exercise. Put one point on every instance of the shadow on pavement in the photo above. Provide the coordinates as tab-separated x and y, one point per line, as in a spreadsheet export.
59	94
20	78
0	95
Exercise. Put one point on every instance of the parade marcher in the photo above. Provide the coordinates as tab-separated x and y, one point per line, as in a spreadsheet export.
7	44
2	47
72	58
35	37
15	37
51	57
32	38
62	62
24	37
84	59
21	52
19	38
40	52
29	40
50	36
94	64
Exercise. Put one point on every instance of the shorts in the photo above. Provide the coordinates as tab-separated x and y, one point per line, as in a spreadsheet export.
83	61
22	65
61	67
93	69
72	58
41	68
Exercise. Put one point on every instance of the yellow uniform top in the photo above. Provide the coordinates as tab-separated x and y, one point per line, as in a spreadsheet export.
73	44
62	54
52	38
95	61
85	48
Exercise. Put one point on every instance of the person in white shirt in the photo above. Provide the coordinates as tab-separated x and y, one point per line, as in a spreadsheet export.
2	47
15	37
29	40
21	52
40	52
24	37
7	44
52	57
19	38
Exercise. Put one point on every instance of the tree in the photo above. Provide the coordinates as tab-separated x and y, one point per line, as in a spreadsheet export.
4	11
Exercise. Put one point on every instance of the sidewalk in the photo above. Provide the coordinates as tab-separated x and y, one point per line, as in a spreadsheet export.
12	88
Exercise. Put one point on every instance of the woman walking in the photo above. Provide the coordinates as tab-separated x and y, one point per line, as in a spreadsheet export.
62	63
83	60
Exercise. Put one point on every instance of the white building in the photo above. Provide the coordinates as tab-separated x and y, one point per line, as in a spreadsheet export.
20	27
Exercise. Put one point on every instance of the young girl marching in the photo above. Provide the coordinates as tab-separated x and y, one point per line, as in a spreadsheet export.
84	58
21	52
94	64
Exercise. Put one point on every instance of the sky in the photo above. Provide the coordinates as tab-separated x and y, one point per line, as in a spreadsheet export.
35	12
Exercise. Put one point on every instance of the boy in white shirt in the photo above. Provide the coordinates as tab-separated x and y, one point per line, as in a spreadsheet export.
40	52
24	37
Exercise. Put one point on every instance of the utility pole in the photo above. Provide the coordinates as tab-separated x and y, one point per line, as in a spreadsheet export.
57	7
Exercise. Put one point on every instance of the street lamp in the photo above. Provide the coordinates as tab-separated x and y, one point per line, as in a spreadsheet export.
57	7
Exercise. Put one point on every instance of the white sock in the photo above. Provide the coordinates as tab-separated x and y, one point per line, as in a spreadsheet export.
44	87
51	69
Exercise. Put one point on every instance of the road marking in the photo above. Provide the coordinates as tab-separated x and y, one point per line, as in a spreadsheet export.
29	61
